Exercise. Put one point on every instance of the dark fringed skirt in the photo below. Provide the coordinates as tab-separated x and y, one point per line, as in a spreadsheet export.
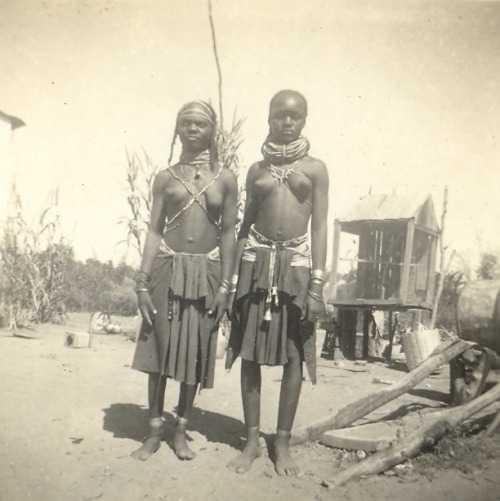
182	343
264	341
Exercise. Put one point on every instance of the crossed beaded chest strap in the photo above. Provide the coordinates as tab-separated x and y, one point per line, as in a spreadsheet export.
196	197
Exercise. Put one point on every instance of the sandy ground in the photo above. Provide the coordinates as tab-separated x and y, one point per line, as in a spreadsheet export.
70	418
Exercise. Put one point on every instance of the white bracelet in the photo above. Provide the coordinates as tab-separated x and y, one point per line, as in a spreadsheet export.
318	273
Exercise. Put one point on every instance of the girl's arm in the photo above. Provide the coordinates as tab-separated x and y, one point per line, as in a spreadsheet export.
153	240
249	216
226	242
315	305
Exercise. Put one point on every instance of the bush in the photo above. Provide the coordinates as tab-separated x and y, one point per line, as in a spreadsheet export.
121	300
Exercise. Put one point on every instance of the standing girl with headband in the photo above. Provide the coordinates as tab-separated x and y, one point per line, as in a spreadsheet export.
183	282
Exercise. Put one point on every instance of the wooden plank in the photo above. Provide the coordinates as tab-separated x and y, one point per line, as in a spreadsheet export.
377	304
431	282
365	258
405	274
347	320
392	331
367	320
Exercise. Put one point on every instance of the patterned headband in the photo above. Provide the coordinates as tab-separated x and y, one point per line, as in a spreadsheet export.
197	109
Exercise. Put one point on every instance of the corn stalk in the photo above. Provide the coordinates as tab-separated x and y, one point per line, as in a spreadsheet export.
141	171
33	262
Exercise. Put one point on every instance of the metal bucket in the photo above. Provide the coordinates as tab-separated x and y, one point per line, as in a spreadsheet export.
478	313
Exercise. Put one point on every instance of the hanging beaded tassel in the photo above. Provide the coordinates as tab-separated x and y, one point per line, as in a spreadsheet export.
272	291
272	299
267	314
170	312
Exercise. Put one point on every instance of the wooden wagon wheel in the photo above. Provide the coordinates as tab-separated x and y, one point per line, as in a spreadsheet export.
468	374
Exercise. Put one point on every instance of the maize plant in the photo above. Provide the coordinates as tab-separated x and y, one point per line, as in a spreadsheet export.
33	263
141	172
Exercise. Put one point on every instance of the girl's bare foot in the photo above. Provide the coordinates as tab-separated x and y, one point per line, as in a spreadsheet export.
152	442
284	465
179	442
148	448
249	454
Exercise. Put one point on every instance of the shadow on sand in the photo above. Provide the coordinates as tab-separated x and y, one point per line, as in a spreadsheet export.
131	421
430	394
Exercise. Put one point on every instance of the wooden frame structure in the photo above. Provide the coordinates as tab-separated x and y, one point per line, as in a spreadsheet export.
394	265
396	254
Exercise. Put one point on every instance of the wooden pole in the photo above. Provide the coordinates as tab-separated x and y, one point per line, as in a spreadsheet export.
405	272
332	287
217	63
392	330
431	279
367	320
348	319
443	266
445	352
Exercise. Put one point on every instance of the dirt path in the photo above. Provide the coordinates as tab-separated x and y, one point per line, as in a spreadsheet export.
71	417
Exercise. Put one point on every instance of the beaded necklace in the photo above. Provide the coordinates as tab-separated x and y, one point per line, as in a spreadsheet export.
195	196
279	154
198	162
281	175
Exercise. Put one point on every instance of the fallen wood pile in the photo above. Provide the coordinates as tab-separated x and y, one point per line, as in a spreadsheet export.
432	428
445	352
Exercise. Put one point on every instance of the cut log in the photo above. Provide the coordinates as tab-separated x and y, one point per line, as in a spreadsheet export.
445	352
430	431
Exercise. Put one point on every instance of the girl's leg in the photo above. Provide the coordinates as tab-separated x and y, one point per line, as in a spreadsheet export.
250	393
156	397
186	400
291	386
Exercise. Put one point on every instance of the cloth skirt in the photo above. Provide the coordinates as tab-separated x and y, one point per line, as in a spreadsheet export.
259	335
182	342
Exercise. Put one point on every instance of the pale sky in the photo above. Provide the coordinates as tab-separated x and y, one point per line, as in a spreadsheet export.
403	96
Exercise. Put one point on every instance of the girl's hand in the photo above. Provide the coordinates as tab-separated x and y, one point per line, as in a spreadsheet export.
146	306
314	309
218	306
315	305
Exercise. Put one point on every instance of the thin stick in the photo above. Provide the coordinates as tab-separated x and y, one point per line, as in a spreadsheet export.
219	71
443	264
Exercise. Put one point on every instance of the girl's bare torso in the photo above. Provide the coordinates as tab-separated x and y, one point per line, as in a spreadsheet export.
283	209
192	230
